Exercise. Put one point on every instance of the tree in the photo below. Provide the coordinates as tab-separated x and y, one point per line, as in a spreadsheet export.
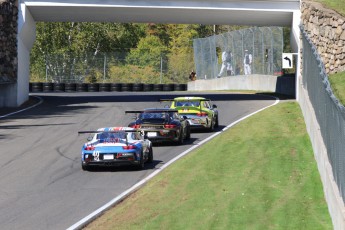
181	61
69	49
148	52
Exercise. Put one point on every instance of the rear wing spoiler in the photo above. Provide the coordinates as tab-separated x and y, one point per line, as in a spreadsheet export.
134	111
114	131
153	111
162	100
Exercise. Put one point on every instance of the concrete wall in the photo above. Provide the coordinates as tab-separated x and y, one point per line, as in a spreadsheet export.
324	28
268	83
26	39
16	41
334	201
8	95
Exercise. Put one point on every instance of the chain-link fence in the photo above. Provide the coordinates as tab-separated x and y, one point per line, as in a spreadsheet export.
125	66
256	50
330	113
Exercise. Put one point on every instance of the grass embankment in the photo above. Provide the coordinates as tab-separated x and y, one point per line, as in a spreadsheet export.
260	174
338	85
336	5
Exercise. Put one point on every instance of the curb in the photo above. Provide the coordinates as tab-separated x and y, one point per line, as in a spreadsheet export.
30	107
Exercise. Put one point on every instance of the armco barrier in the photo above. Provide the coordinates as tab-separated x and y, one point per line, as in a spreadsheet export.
103	87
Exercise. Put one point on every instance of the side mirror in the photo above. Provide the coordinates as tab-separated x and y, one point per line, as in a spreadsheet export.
185	117
214	106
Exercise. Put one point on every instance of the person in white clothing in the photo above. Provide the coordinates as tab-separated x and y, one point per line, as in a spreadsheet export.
226	63
247	62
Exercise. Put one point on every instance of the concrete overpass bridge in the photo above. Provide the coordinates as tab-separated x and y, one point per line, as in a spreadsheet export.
215	12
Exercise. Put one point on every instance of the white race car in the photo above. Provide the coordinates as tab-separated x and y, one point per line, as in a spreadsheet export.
112	146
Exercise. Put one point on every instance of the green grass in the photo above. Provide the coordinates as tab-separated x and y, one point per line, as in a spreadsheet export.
338	85
260	174
336	5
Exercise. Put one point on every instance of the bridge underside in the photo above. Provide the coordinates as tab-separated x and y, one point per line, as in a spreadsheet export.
256	13
218	12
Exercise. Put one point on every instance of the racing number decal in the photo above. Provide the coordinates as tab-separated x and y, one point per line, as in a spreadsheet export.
95	155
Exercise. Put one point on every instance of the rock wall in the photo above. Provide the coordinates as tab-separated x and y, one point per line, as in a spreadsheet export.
326	28
8	41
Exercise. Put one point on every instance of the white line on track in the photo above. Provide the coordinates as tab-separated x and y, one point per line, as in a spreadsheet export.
88	219
38	103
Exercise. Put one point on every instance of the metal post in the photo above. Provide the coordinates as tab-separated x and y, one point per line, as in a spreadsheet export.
253	52
46	69
104	67
161	68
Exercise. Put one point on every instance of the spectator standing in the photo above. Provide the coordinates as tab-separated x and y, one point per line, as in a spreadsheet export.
192	76
226	63
247	62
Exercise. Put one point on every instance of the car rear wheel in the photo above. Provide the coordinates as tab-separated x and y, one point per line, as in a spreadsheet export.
180	139
150	157
141	164
188	133
212	125
85	167
216	125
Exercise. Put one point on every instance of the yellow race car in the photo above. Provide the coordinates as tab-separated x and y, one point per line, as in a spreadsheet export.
199	111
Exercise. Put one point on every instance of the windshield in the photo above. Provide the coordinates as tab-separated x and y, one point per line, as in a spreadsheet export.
111	136
188	103
150	115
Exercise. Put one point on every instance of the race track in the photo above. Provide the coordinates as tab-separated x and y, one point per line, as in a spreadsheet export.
42	183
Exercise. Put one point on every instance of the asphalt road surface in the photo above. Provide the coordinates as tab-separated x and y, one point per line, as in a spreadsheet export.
42	183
